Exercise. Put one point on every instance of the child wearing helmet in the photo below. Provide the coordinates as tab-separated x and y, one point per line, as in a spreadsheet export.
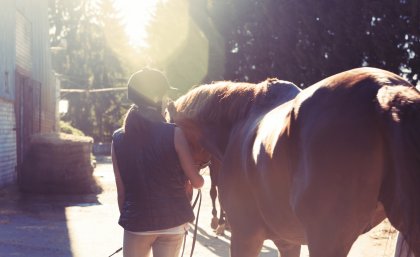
152	164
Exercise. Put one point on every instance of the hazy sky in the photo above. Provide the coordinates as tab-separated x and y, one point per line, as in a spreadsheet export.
136	14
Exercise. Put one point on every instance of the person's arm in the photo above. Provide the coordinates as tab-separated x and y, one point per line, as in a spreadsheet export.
187	163
118	181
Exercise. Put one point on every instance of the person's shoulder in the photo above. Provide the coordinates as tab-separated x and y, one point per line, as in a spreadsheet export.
166	127
170	125
118	134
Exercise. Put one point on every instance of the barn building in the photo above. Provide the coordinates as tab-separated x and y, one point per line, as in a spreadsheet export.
28	91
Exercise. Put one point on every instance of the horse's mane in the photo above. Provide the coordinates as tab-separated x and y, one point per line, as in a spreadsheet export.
216	102
227	101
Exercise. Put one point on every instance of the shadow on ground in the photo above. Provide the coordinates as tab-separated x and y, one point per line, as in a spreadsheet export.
35	224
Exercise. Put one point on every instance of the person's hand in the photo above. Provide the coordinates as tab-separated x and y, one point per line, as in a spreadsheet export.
189	190
187	162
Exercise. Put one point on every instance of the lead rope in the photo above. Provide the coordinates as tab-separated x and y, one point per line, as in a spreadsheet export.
198	197
117	251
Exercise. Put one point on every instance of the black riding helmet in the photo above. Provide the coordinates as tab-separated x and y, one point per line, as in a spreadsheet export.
146	87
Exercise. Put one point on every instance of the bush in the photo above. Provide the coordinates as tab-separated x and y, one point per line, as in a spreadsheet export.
67	128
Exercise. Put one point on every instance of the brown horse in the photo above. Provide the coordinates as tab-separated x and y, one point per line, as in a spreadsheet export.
313	167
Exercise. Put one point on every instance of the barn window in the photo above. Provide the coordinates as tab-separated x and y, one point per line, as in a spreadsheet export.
6	82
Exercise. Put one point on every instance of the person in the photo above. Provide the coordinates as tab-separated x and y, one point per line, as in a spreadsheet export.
153	166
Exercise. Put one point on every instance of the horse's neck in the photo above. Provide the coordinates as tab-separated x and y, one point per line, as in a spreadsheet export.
216	136
215	139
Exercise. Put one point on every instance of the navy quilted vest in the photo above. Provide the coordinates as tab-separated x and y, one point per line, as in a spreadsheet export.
154	182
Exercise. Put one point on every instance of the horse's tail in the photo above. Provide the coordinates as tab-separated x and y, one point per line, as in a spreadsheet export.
400	110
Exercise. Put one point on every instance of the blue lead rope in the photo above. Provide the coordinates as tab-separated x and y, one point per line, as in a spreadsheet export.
196	224
117	251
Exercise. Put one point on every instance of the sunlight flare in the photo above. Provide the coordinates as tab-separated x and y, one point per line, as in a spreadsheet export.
136	14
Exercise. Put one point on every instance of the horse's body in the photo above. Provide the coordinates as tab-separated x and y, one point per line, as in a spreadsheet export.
312	167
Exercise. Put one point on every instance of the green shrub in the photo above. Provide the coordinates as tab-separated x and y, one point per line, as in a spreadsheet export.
67	128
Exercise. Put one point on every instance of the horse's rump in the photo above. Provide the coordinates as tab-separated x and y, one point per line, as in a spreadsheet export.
356	141
400	106
337	156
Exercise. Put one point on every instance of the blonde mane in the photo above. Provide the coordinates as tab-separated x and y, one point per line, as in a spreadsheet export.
225	102
219	102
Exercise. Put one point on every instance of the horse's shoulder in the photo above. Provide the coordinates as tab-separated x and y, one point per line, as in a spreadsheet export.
273	92
275	85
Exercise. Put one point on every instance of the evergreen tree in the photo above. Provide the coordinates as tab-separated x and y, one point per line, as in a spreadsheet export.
305	41
177	45
86	59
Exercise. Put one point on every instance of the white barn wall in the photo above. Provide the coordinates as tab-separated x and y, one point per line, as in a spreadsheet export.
7	50
7	93
7	143
37	13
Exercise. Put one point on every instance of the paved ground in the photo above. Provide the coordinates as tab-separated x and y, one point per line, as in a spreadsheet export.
86	226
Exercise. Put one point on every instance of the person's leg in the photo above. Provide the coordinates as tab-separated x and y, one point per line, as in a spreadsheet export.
137	245
168	245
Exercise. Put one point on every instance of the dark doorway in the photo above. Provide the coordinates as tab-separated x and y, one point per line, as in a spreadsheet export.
27	113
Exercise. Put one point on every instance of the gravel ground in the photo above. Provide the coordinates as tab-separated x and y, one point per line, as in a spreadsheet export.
86	226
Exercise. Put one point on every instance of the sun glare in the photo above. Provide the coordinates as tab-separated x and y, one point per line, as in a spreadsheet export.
136	14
